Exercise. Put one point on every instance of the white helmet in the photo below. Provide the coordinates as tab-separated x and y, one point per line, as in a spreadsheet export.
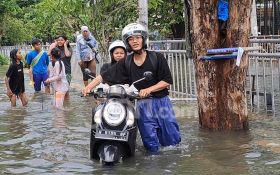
116	44
134	29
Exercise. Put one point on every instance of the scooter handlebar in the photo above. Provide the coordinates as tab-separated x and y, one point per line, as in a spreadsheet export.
88	94
137	97
96	94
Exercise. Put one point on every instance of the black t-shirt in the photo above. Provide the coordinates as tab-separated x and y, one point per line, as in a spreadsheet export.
118	74
105	67
66	60
16	81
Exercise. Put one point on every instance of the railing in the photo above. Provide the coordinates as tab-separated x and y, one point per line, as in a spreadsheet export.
262	81
183	73
265	37
168	45
268	45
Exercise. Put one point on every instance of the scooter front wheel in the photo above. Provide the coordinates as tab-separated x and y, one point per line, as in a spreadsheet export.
110	153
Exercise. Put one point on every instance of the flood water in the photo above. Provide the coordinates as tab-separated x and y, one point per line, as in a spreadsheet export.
41	140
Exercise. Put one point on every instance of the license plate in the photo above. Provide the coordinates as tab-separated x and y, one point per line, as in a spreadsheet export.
112	135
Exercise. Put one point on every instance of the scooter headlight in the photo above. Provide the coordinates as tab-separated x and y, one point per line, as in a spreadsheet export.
97	116
114	113
130	119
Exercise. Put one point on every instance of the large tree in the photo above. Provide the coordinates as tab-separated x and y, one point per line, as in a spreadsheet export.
220	83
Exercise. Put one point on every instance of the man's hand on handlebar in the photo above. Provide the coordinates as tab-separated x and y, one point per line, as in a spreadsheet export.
145	93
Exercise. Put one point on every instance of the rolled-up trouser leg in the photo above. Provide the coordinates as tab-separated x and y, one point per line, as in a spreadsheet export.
92	67
83	66
147	125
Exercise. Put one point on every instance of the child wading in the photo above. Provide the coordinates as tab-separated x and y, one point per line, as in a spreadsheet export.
15	79
38	60
58	78
62	43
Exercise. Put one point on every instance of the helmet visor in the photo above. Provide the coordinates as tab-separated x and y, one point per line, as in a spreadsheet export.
134	33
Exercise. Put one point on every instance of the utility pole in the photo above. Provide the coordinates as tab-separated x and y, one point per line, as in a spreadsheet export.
143	12
254	22
187	14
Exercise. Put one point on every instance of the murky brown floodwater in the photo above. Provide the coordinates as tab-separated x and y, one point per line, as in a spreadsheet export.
40	140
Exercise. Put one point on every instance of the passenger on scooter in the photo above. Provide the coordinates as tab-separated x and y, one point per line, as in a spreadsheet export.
117	52
156	119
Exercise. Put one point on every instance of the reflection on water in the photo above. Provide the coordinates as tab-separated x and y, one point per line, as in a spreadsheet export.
38	139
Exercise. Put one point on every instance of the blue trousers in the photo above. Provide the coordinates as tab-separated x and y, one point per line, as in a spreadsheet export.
157	123
39	79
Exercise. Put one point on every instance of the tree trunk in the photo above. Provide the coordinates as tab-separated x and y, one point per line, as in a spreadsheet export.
220	83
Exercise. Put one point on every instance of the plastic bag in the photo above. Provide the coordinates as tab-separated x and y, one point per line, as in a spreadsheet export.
223	10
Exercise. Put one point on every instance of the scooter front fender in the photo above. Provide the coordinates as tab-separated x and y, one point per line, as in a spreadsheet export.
110	152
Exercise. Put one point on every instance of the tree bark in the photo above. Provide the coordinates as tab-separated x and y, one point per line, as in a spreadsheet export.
220	83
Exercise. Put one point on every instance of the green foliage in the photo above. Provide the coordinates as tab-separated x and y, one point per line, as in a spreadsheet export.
110	16
4	60
21	20
26	3
16	31
164	14
13	29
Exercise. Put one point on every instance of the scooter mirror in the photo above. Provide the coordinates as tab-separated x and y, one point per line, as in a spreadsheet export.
87	71
148	75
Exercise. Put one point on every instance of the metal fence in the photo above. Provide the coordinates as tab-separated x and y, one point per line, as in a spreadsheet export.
168	45
263	76
183	73
263	83
268	16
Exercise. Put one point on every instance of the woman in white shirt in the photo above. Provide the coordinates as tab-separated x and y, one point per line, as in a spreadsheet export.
58	78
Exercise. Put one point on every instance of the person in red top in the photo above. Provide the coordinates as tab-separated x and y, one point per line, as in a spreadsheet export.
15	79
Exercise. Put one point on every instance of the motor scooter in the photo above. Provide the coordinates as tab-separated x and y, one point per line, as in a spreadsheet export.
114	129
